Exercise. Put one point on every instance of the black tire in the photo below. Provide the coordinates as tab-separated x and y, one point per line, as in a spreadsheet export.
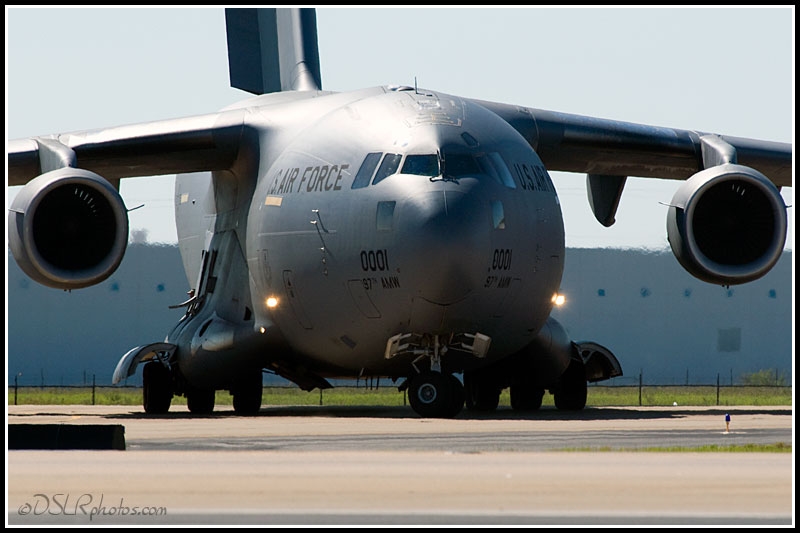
430	395
525	397
156	388
457	396
481	394
572	391
247	394
201	401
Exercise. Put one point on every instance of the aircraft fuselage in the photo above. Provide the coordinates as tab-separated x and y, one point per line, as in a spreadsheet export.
392	212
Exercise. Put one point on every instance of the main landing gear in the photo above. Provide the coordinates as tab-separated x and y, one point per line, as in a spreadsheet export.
570	395
160	383
156	388
201	401
483	387
247	392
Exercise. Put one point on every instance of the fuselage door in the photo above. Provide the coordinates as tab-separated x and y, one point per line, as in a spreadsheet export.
358	291
294	299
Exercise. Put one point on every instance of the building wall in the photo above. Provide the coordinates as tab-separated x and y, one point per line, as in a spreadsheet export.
65	337
672	328
656	318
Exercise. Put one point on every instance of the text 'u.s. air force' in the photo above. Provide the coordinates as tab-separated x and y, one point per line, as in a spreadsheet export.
319	178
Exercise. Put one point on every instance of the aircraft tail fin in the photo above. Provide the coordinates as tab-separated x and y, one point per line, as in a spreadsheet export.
272	50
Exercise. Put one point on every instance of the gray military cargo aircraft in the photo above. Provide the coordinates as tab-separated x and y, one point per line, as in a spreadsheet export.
391	232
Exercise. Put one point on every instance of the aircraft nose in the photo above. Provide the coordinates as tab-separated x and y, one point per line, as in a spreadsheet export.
444	243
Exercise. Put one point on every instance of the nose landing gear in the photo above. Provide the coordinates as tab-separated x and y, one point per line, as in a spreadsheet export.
434	393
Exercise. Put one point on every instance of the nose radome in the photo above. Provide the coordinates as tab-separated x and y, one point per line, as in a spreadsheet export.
444	239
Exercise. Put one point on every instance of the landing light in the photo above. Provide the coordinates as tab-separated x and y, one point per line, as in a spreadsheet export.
272	302
559	299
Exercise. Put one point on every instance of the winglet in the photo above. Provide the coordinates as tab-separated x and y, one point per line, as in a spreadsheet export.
272	50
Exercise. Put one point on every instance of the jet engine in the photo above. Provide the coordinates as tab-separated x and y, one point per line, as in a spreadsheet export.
727	225
68	229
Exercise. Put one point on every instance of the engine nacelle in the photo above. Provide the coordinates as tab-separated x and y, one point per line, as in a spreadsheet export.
727	225
545	358
68	229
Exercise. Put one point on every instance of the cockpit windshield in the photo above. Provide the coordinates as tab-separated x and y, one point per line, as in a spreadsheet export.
477	165
421	165
459	166
447	165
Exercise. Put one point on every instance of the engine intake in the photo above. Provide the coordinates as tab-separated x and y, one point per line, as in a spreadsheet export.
68	229
727	225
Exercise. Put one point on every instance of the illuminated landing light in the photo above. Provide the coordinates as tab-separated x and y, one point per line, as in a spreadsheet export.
272	302
262	329
558	299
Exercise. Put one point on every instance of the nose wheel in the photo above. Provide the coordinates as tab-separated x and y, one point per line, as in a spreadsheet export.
436	395
433	392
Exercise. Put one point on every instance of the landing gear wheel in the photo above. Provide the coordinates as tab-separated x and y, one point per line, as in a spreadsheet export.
247	394
201	401
571	393
156	388
431	395
481	393
457	396
526	398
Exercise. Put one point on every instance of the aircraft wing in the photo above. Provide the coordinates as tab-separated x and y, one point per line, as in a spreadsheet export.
575	143
206	142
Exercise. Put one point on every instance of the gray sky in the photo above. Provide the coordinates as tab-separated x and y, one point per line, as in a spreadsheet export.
727	71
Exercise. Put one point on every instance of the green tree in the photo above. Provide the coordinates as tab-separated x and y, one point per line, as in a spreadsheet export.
766	378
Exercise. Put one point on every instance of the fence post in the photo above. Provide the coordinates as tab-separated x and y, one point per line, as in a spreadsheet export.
93	387
320	396
15	388
640	387
717	388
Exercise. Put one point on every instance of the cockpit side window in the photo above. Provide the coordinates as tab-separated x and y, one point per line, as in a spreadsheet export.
488	168
366	170
502	170
421	165
389	166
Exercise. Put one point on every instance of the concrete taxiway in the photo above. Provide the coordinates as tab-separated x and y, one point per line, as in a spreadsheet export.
387	466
